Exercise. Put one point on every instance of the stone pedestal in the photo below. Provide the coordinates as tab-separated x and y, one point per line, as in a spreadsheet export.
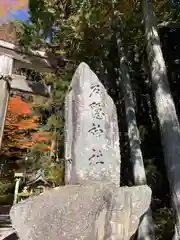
92	211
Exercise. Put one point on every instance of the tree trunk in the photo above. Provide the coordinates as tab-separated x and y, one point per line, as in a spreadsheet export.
146	228
166	112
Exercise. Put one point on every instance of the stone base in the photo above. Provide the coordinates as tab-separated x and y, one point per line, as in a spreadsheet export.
93	211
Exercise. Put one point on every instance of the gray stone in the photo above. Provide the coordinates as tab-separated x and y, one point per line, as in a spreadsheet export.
90	211
92	136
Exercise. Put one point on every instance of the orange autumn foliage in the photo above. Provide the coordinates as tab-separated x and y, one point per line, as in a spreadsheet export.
41	137
27	124
18	106
19	128
45	148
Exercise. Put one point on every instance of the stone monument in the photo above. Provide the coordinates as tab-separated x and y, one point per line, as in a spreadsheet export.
92	137
92	206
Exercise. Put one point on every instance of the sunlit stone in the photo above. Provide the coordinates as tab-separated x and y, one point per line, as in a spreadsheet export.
92	135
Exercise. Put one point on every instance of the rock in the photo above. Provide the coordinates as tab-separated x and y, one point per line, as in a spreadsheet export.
92	136
93	210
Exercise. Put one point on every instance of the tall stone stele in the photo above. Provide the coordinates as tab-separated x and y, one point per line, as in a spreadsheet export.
92	137
92	206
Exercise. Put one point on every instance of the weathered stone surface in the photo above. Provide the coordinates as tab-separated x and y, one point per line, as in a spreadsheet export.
92	135
95	208
90	211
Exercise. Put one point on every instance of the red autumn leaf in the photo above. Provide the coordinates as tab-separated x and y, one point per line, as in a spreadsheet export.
15	140
18	106
41	137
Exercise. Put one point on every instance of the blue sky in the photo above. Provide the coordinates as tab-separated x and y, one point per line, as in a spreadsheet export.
21	14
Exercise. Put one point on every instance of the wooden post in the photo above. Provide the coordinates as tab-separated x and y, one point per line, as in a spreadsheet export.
6	66
18	177
16	190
